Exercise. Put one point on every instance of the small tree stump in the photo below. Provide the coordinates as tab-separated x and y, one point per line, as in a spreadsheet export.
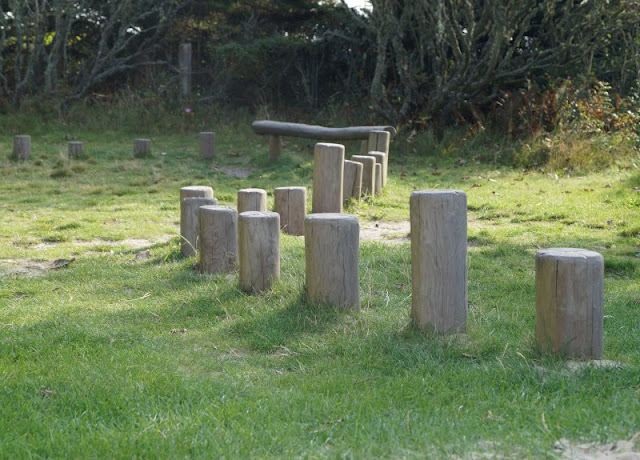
331	259
141	148
189	223
328	174
193	191
275	147
207	145
218	239
439	260
569	302
75	150
291	204
368	173
352	183
378	179
379	142
252	199
380	160
258	250
21	147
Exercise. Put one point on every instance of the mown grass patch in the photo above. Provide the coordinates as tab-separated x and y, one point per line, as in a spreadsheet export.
125	354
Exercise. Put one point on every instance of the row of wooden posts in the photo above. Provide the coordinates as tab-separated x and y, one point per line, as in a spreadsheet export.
569	282
141	147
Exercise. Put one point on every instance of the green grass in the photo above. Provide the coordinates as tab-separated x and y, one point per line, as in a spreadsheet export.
115	357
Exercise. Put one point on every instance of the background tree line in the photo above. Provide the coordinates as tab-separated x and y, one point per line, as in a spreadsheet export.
416	62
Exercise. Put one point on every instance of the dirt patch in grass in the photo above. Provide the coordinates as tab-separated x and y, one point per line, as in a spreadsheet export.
385	232
23	268
621	450
132	243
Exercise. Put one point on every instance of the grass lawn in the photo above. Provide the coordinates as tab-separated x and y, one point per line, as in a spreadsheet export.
129	354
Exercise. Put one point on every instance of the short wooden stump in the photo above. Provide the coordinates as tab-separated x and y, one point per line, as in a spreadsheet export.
331	259
439	260
218	248
258	250
381	176
252	199
192	191
368	173
569	302
291	204
207	145
21	147
141	148
352	183
379	142
75	150
189	223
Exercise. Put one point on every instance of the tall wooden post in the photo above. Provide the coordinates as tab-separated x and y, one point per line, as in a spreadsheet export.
439	260
379	142
184	64
328	175
569	302
74	150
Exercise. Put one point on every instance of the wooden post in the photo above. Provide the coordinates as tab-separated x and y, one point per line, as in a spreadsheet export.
218	247
379	142
141	148
252	199
364	147
207	145
328	175
196	191
74	150
439	260
291	204
368	173
258	250
189	223
275	147
378	179
352	183
331	259
569	302
380	160
21	147
184	64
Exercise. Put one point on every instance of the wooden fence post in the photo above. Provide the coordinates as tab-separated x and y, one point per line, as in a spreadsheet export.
207	145
21	147
141	148
185	68
379	142
352	183
75	150
368	173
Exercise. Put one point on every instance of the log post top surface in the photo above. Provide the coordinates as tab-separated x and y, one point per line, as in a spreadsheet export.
281	128
322	218
568	253
258	215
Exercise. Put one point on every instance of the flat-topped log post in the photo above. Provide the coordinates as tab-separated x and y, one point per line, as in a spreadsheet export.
276	129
